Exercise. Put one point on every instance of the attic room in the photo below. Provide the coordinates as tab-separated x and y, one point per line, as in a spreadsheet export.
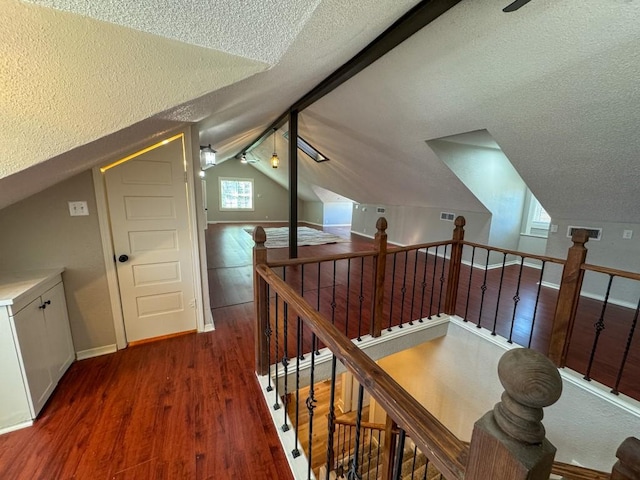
552	87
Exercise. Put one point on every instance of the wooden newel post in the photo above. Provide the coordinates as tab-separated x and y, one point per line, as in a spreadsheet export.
380	245
568	297
260	302
509	441
628	465
455	262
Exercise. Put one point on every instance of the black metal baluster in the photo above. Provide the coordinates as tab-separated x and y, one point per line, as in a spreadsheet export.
333	296
516	300
301	329
483	287
466	308
369	453
354	473
346	322
413	289
311	402
349	456
424	284
344	449
268	332
495	318
397	469
626	350
393	290
361	297
331	418
433	282
318	303
295	452
413	463
378	454
599	328
404	287
276	406
535	308
285	364
442	282
426	470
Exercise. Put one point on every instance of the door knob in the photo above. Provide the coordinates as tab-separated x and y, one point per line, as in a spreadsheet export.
123	258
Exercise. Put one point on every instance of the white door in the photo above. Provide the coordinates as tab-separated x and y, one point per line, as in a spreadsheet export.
149	213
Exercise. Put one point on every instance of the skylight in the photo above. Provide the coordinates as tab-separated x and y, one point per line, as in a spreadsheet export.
309	149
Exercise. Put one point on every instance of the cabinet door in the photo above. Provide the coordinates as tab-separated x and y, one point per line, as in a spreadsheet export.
61	352
31	335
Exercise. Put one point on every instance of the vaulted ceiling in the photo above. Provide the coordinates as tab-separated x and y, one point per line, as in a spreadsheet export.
555	84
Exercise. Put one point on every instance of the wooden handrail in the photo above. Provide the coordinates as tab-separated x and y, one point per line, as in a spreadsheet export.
418	246
327	258
351	423
573	472
515	252
610	271
443	448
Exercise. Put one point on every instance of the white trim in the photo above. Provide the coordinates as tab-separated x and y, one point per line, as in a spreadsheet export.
96	352
593	296
193	234
257	222
107	246
209	327
300	464
621	401
323	225
17	426
491	266
236	180
108	256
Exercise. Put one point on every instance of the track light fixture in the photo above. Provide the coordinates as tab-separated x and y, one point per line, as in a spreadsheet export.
243	158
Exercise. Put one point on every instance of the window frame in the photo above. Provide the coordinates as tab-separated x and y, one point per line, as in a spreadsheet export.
221	206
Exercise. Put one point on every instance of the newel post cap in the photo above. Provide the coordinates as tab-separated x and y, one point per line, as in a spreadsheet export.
531	381
259	236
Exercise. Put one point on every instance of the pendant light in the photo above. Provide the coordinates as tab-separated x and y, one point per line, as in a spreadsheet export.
275	161
207	157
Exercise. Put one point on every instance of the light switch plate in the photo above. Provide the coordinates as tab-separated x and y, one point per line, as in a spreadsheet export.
78	209
627	234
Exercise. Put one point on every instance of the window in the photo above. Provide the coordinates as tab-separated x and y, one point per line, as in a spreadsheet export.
236	194
537	220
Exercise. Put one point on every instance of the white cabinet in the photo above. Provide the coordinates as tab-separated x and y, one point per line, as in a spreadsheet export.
35	344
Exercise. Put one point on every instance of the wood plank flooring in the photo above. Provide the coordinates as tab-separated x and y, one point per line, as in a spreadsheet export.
190	407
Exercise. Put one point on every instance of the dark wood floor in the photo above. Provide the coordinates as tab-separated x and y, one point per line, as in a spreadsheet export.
187	407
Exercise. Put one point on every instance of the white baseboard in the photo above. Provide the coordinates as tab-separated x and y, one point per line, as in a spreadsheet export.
96	352
257	222
209	327
593	296
15	427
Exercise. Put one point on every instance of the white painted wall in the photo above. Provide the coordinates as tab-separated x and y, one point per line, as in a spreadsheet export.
488	173
611	251
410	225
455	378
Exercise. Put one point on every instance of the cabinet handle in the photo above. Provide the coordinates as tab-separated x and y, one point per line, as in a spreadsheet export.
44	305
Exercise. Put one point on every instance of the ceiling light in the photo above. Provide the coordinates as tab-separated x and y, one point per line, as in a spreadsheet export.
243	158
275	161
207	156
202	174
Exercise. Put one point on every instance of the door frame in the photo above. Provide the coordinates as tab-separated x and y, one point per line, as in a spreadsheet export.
107	242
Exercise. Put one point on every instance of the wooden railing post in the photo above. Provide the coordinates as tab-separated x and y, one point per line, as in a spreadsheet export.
260	302
455	262
389	449
380	246
509	442
628	465
568	297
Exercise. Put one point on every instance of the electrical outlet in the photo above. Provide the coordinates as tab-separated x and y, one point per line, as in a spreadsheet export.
78	209
627	234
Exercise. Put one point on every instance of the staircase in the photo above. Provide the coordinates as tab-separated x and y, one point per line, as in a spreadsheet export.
415	466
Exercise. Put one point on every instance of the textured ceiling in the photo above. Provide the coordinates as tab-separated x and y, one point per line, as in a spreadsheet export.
258	30
555	84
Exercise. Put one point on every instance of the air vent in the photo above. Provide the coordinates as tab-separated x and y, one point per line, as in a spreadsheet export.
594	233
449	217
380	210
